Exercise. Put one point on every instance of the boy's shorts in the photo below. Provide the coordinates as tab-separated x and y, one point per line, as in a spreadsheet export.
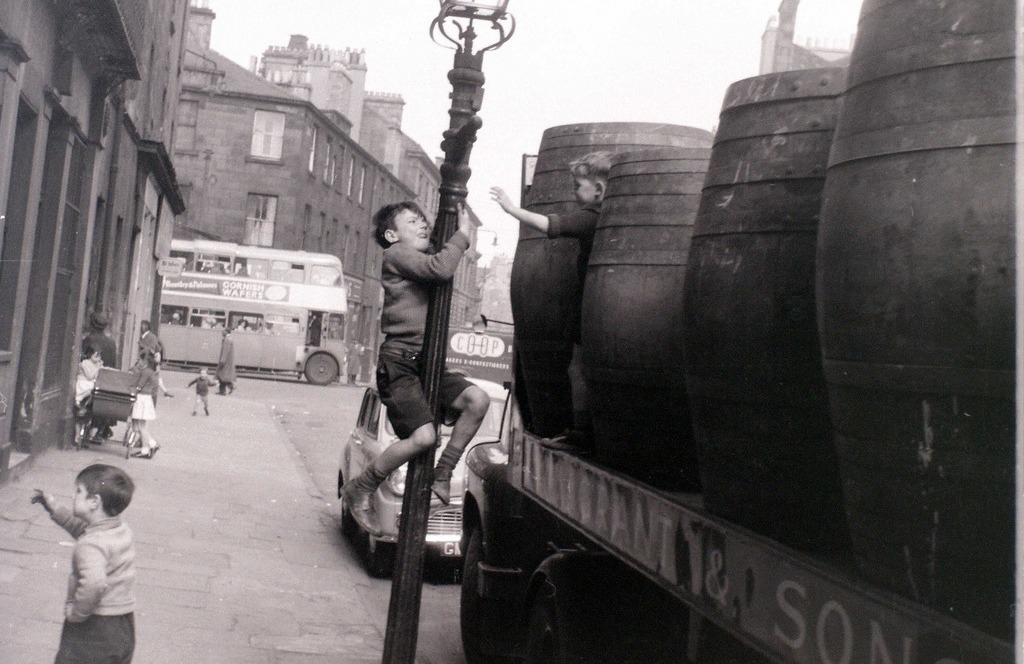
98	640
398	382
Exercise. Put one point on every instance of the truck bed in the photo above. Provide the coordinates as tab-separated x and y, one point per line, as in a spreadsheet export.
780	602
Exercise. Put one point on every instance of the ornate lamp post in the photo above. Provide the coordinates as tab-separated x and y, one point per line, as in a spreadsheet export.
456	23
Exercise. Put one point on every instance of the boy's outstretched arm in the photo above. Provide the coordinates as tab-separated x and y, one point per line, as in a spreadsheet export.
62	516
534	220
47	500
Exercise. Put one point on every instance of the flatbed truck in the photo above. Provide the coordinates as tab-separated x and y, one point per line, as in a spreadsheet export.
570	561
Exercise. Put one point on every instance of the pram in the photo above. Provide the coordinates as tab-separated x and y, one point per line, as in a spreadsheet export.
112	399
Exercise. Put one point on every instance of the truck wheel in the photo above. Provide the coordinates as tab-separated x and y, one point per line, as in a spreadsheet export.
321	369
470	604
543	636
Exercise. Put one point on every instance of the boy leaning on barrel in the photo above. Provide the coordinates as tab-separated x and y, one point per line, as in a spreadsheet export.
408	272
590	182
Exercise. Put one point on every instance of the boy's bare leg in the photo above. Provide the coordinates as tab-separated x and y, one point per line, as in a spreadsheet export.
472	405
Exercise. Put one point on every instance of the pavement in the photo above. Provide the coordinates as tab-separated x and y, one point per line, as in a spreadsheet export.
238	557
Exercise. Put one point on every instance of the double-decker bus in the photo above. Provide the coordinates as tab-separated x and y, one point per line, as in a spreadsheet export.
287	309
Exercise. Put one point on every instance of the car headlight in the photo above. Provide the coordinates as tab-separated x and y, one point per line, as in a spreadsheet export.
396	481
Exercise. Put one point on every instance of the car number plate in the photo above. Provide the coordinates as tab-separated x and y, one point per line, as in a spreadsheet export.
451	549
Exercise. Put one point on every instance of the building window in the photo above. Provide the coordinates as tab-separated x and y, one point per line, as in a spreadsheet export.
267	135
362	183
358	251
321	232
312	152
260	216
307	220
328	160
330	235
185	133
351	176
334	170
346	242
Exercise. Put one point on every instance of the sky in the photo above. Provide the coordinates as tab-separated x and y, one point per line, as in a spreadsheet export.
569	61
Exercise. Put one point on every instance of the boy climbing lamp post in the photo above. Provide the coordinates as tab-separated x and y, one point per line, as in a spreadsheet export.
455	22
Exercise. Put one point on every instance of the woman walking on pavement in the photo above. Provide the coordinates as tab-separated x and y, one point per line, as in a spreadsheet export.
144	410
226	364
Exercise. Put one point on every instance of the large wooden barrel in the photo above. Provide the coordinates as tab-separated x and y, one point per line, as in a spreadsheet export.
545	281
915	299
753	361
632	317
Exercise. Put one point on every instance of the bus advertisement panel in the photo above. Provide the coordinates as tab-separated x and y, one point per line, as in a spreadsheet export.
328	298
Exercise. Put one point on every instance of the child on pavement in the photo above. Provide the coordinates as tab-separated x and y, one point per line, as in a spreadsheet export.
590	182
144	410
88	372
408	272
203	383
99	622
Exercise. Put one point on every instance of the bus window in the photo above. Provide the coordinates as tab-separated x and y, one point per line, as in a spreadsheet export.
208	319
212	264
173	315
336	327
256	268
287	271
190	259
281	325
246	322
324	275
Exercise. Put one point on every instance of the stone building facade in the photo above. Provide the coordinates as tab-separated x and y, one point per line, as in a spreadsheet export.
334	81
780	52
88	194
261	162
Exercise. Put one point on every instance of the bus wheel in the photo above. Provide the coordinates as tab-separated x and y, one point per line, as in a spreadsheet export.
321	369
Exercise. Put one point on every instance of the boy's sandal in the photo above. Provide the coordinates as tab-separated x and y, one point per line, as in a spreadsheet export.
143	455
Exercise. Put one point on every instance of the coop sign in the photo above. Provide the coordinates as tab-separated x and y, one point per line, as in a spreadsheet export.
477	345
487	356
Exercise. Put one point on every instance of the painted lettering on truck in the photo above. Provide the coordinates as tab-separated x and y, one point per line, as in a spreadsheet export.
804	620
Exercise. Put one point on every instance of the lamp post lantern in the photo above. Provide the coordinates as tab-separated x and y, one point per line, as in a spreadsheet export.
456	22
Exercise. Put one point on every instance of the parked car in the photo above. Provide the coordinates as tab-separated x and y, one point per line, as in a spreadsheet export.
370	436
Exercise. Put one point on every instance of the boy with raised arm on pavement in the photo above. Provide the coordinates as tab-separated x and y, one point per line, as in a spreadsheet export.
590	182
409	269
99	622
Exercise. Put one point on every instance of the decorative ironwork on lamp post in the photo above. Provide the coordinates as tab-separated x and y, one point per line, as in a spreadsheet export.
456	23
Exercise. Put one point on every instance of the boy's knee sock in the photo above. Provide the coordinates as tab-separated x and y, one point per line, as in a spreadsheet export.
446	464
370	479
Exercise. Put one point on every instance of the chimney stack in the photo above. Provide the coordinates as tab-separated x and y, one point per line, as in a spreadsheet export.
200	25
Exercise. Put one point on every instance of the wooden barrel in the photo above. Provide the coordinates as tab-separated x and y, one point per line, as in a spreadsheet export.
632	316
545	281
753	362
916	271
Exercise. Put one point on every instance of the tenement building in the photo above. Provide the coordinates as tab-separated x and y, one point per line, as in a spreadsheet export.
88	194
